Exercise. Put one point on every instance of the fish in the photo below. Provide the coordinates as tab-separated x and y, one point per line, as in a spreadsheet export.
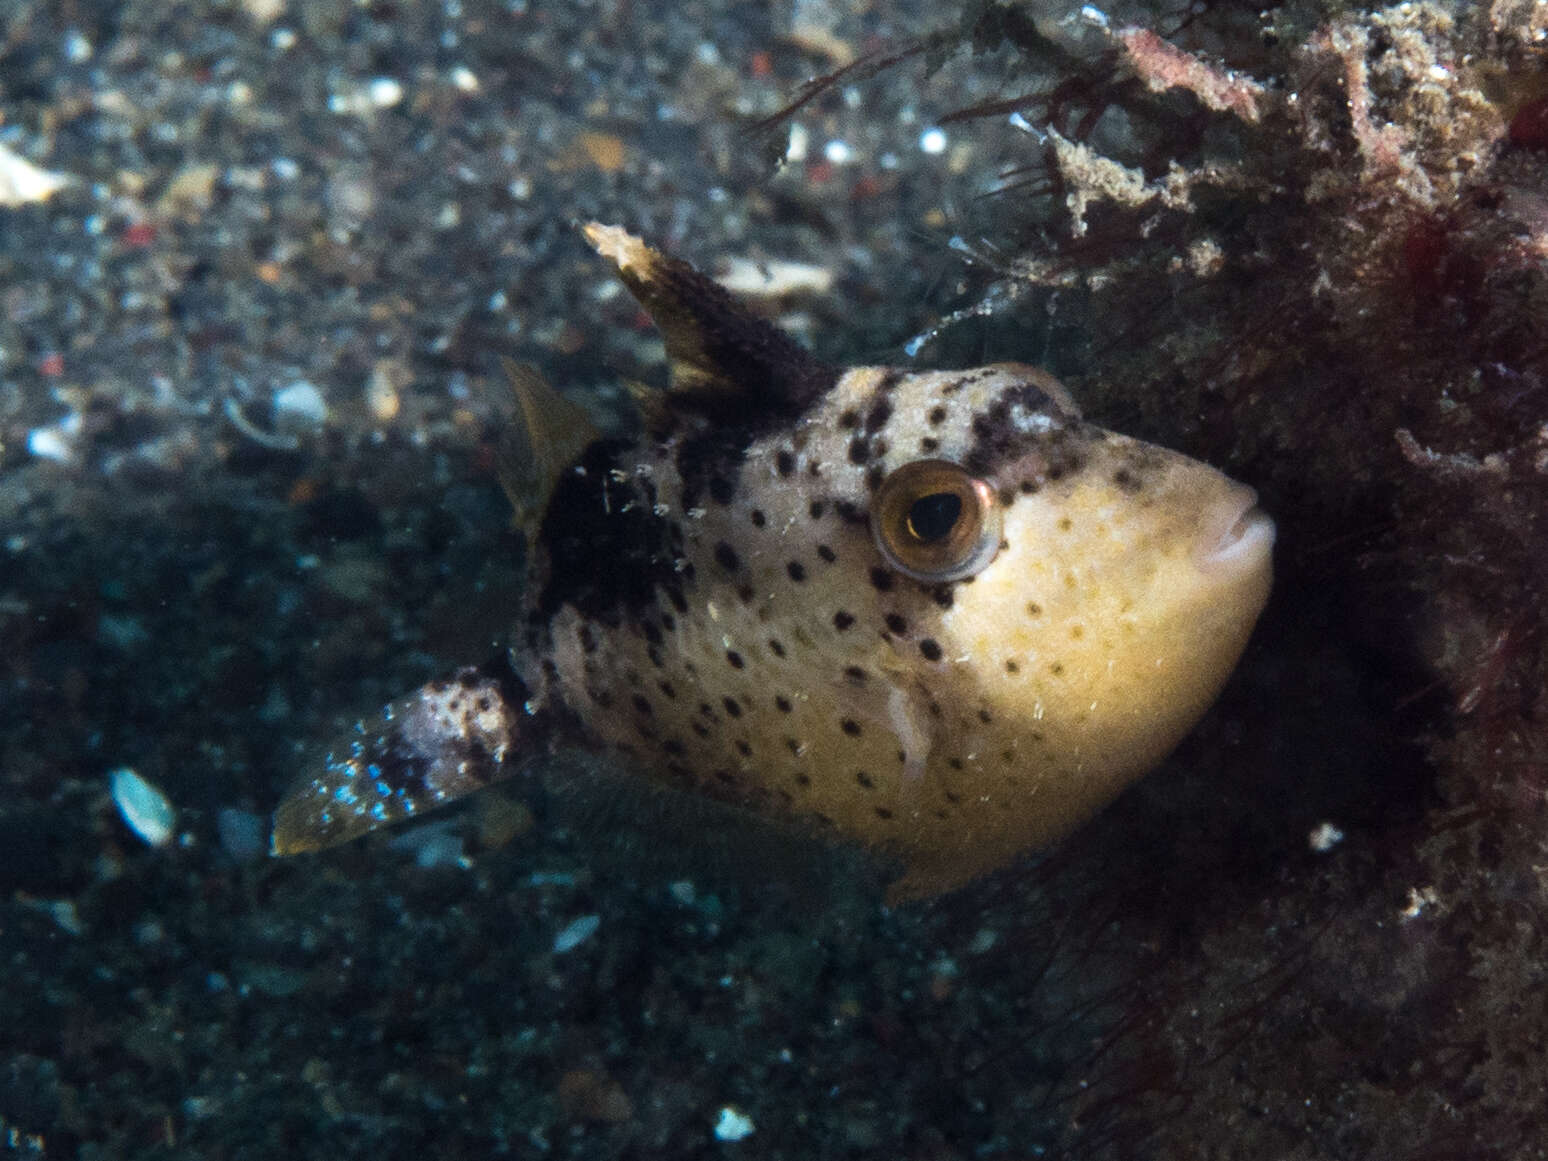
935	613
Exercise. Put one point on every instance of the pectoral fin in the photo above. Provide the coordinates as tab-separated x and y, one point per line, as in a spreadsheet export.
445	740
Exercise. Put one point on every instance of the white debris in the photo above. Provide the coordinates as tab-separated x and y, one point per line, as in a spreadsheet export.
465	79
56	441
384	92
838	152
22	182
1419	898
732	1124
799	144
1323	837
575	933
932	141
144	807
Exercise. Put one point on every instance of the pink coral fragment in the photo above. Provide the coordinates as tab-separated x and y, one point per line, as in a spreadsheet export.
1164	66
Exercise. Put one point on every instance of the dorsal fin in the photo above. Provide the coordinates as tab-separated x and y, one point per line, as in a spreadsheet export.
724	358
546	436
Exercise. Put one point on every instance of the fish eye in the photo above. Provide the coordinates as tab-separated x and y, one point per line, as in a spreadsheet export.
933	521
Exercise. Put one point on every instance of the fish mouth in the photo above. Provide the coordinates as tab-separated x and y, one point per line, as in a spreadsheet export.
1235	535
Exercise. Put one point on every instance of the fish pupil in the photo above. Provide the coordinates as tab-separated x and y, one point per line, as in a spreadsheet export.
932	517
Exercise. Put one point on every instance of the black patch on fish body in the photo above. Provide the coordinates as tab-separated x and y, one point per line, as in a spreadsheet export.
608	549
998	438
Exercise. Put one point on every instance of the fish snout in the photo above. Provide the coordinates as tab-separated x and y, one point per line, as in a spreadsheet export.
1235	536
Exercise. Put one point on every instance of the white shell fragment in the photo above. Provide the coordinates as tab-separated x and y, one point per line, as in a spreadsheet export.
144	807
22	182
575	933
733	1125
774	278
299	407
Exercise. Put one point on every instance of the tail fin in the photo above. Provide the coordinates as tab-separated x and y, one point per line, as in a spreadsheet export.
448	738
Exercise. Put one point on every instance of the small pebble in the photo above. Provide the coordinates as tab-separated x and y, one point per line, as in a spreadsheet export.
143	806
1324	837
575	933
733	1125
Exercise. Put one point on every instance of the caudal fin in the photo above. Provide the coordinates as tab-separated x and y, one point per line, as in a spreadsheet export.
448	738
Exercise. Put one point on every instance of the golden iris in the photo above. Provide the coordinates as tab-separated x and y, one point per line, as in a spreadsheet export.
934	521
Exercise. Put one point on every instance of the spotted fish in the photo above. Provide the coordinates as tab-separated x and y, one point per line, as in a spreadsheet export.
932	611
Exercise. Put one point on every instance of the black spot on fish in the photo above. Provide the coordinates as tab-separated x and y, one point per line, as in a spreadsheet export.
865	780
850	727
721	490
877	416
849	419
826	553
733	707
859	450
842	620
816	509
937	416
942	596
757	517
782	703
642	705
997	436
735	659
930	649
881	579
796	571
856	675
784	462
726	557
743	748
897	624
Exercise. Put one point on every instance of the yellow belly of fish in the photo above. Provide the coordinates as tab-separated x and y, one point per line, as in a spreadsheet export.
913	772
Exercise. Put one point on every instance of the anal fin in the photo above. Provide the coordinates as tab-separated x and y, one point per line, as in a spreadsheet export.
448	738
